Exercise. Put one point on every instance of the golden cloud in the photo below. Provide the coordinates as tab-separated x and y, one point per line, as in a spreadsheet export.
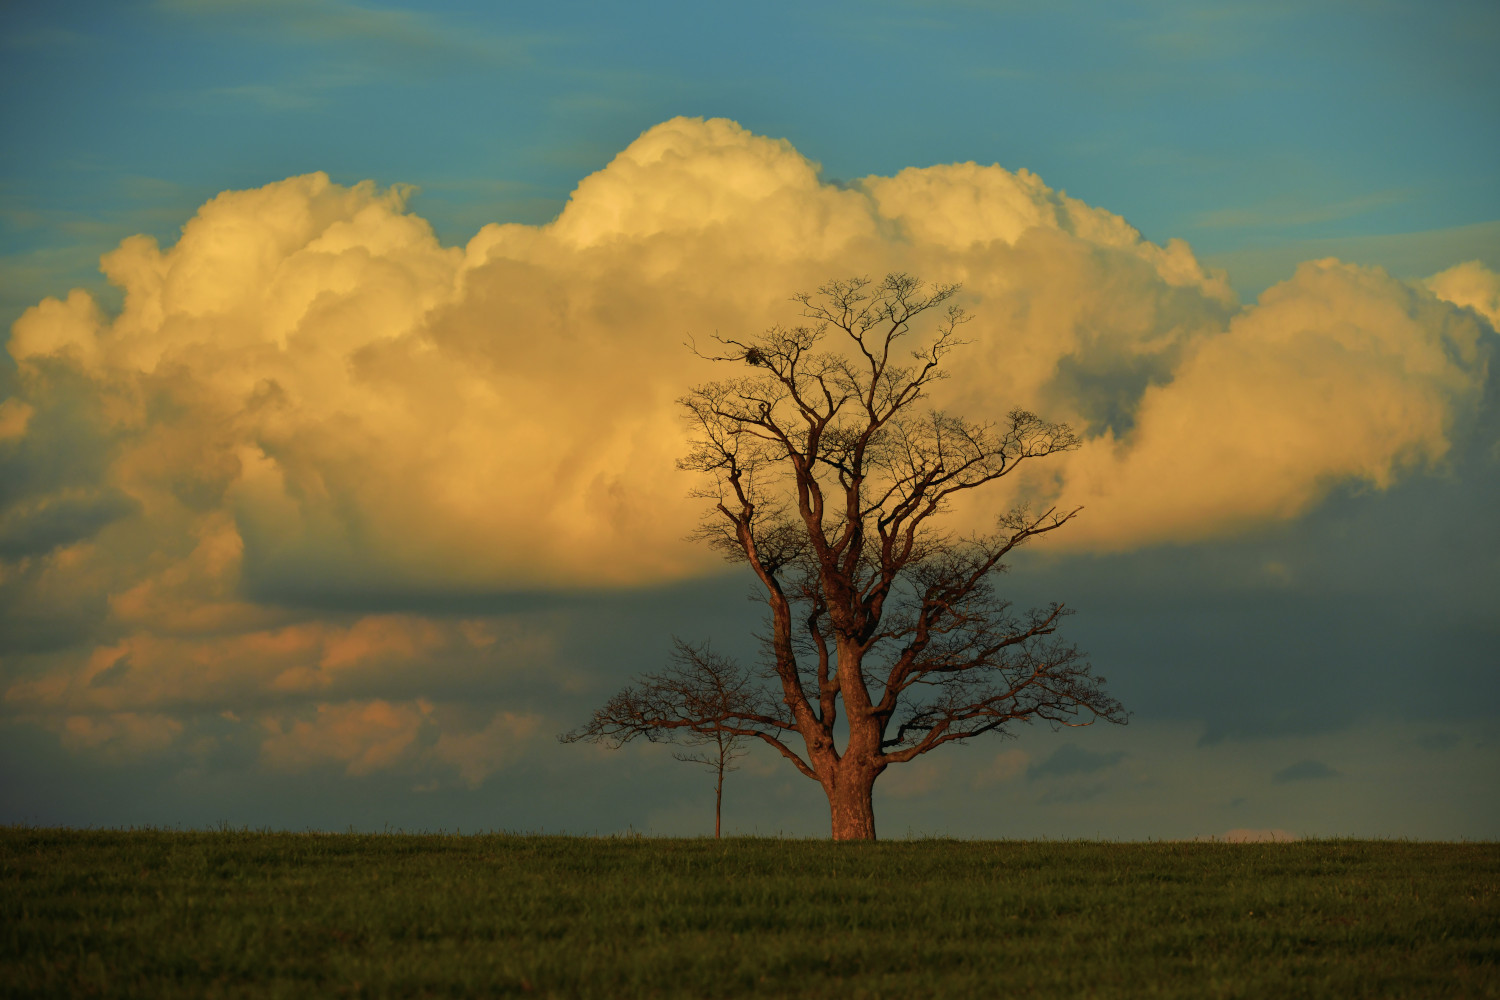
309	400
364	737
1340	373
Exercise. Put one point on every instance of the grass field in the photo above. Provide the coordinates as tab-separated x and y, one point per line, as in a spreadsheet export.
238	914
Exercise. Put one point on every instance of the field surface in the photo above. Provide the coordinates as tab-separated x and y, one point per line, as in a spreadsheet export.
236	914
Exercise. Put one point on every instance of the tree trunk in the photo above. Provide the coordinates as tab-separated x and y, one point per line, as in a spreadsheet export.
851	801
718	797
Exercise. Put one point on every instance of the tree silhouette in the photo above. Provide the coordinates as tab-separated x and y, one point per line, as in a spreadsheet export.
826	477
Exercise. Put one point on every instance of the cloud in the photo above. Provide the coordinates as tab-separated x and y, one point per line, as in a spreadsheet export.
1340	374
479	753
271	97
311	423
1304	770
1288	211
57	520
1072	794
120	736
915	779
1069	760
1405	255
246	661
404	34
1007	764
363	737
1471	285
14	416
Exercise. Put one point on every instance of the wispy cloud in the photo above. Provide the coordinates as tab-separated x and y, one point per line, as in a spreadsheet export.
408	34
1291	211
270	96
1406	255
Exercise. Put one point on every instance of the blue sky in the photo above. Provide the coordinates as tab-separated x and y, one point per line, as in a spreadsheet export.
1235	126
1312	657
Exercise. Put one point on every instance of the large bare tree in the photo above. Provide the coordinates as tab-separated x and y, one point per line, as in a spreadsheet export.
828	475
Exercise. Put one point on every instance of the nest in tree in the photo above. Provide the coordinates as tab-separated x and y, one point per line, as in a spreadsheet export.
754	357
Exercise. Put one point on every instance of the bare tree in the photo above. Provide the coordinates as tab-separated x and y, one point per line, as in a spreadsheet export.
720	750
694	702
829	480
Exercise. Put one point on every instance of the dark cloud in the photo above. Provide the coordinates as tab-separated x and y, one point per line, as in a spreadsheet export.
1304	770
66	445
111	674
1070	759
48	523
1376	605
1068	796
33	620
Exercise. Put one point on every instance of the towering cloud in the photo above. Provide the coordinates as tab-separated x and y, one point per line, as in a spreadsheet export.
309	410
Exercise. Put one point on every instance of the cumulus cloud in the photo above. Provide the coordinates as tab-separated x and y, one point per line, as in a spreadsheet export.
121	736
250	667
363	737
1471	285
1338	374
14	416
309	410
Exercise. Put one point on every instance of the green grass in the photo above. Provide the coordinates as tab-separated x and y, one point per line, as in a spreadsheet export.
233	914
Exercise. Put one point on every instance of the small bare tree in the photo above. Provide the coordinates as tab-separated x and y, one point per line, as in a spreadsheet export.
829	481
694	703
720	750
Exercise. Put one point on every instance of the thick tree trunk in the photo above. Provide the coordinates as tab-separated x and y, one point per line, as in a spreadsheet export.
851	801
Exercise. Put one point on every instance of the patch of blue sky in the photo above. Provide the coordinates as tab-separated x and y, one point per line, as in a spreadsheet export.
1228	124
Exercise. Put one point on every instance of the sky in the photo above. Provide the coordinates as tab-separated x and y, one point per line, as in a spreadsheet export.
338	419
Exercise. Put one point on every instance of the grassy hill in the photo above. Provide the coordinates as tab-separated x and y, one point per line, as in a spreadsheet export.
240	914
